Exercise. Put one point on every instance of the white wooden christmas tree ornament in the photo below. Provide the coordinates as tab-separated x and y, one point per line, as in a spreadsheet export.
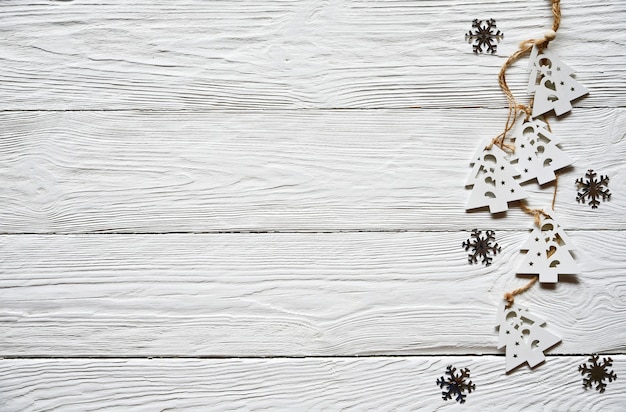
552	82
536	152
548	253
492	180
523	335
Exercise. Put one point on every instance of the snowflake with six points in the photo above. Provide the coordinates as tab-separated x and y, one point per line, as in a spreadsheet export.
481	246
484	35
456	384
597	372
593	189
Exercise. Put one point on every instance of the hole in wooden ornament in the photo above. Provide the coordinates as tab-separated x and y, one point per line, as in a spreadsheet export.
540	148
551	252
490	181
526	335
550	85
545	62
490	195
547	162
558	240
554	263
553	98
528	130
513	320
547	227
544	140
534	345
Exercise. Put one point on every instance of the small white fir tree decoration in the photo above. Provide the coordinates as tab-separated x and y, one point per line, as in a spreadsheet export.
536	155
492	180
523	335
548	252
552	82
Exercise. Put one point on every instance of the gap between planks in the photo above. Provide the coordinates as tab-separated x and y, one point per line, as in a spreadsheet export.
287	231
287	109
381	356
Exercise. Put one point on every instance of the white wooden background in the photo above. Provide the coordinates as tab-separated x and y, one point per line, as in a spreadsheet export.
259	205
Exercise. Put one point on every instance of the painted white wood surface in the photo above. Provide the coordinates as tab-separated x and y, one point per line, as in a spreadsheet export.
310	384
292	294
191	54
280	170
140	139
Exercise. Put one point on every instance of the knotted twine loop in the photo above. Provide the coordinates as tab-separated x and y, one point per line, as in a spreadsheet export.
510	296
537	214
524	47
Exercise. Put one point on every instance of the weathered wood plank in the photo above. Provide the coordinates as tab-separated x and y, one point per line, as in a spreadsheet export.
291	294
322	384
196	54
331	170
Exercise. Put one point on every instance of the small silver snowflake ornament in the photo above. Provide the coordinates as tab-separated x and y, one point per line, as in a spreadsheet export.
593	189
484	36
456	384
597	372
482	246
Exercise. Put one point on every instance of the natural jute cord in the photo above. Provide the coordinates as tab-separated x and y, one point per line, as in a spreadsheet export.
525	47
514	108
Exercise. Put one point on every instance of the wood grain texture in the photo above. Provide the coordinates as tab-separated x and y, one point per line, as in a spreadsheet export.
75	172
194	54
292	294
141	141
321	384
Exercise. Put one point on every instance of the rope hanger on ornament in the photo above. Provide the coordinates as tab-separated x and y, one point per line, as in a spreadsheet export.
527	150
524	48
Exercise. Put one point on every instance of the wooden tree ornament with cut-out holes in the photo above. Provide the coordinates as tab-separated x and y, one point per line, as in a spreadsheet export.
523	335
536	155
492	180
548	253
552	82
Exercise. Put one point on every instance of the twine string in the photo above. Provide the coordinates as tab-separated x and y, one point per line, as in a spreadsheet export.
514	108
556	12
556	185
510	296
524	47
536	213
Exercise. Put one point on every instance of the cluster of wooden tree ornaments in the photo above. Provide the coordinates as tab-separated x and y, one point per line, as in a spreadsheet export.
526	151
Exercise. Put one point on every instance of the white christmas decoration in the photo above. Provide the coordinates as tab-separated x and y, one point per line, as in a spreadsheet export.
552	82
492	180
523	335
548	253
536	152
